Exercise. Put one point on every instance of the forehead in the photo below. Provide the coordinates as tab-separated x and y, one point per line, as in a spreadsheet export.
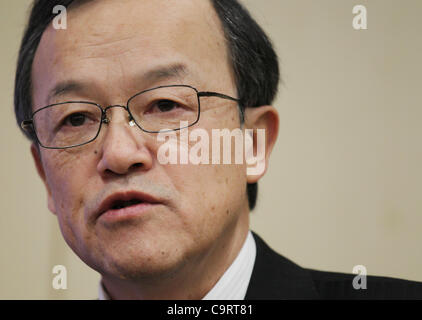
110	43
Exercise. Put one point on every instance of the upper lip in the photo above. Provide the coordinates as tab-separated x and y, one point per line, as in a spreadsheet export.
114	198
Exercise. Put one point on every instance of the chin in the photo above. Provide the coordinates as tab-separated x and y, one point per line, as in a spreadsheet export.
139	266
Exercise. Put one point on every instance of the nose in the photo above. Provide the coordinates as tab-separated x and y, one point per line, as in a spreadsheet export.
124	147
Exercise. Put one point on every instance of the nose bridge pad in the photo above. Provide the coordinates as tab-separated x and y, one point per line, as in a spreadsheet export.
106	120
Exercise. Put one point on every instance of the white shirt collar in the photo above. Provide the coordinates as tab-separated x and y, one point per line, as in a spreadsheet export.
234	282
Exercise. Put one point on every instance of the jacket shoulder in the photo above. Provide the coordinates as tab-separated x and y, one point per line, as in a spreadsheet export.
276	277
336	285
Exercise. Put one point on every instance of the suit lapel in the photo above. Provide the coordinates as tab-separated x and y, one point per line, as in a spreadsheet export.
275	277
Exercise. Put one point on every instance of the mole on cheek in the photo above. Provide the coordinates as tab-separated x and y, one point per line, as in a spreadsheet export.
95	152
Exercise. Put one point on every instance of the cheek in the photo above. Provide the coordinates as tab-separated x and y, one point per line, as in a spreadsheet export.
209	200
207	191
211	187
69	177
67	174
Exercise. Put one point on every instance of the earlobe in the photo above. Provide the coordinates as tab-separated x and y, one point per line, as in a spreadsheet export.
40	169
263	123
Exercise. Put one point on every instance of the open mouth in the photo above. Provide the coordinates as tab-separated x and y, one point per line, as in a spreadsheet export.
126	203
120	204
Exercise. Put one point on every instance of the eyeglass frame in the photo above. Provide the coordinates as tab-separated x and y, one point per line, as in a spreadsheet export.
29	123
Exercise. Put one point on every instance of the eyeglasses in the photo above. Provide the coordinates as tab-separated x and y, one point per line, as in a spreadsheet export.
76	123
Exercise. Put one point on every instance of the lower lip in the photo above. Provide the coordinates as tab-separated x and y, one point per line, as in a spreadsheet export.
116	215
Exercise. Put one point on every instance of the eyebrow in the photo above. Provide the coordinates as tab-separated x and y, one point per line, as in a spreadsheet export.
159	73
178	70
64	87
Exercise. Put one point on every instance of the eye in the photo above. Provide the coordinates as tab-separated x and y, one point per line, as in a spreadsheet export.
165	105
75	120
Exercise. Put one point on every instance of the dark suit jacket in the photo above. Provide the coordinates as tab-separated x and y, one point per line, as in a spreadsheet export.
274	277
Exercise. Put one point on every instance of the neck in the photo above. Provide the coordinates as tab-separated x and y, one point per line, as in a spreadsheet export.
193	280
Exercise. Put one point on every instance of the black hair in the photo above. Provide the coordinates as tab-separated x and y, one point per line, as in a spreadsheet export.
253	59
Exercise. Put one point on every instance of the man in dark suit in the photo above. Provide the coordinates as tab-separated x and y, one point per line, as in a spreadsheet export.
108	103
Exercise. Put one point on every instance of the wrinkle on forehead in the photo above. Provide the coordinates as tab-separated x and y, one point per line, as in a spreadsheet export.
108	22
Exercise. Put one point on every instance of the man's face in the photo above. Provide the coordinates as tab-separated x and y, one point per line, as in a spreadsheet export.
109	47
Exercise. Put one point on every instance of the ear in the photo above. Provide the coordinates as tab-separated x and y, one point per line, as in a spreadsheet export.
267	120
40	169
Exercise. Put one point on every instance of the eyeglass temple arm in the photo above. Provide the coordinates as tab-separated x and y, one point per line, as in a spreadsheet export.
215	94
220	95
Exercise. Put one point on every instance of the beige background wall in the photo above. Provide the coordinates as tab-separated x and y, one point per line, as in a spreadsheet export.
344	185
